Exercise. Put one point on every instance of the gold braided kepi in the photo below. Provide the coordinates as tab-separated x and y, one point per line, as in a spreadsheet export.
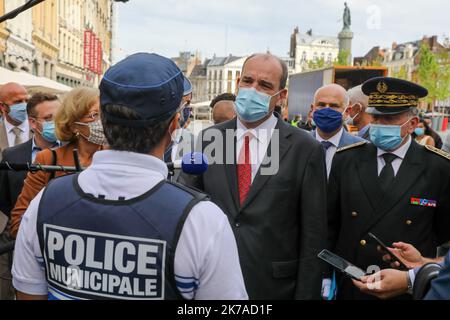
392	95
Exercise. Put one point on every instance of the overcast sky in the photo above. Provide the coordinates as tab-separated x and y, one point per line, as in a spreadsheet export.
242	27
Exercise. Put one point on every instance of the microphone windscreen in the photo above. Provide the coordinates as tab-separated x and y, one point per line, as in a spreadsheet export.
194	163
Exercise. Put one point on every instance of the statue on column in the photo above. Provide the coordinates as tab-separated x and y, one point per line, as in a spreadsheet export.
347	17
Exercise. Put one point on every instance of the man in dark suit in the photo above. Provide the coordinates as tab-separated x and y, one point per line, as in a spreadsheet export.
392	187
330	103
270	179
40	109
14	127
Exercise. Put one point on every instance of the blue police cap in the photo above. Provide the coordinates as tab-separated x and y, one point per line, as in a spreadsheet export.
149	84
392	95
187	87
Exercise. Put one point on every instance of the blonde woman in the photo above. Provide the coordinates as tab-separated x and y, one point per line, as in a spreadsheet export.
77	122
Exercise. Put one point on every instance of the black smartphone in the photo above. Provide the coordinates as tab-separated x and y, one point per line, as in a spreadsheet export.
342	265
386	249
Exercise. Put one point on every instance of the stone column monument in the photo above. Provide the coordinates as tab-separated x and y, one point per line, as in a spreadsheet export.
346	36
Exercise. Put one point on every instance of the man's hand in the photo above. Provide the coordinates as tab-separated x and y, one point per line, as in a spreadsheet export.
407	254
385	284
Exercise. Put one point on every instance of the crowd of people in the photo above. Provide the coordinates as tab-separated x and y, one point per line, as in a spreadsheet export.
251	227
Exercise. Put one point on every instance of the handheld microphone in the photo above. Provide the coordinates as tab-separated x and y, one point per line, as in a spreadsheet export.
195	163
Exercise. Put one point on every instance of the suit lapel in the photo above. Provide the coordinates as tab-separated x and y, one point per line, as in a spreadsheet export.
410	170
261	180
368	175
29	150
231	168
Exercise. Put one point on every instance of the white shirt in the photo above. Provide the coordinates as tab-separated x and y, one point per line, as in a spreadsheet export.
206	257
335	140
400	153
259	144
24	127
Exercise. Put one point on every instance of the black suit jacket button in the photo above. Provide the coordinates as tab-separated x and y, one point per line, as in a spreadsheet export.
409	222
354	214
237	224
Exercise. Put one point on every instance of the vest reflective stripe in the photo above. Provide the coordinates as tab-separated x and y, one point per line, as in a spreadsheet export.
101	249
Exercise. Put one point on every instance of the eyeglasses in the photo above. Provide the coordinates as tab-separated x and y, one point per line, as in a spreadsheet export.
93	116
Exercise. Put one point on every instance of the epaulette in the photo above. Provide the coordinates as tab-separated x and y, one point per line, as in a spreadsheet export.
351	146
440	152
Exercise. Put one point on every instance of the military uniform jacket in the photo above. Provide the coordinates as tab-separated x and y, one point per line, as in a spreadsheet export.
415	209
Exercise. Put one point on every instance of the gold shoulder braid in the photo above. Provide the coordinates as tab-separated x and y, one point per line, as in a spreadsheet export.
440	152
351	146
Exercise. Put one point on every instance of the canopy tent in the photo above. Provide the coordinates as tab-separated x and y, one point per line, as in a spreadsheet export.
31	82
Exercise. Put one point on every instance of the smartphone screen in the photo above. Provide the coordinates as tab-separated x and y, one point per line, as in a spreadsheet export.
342	265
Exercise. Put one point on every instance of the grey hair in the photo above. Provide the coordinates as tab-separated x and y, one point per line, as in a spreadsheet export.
356	95
414	112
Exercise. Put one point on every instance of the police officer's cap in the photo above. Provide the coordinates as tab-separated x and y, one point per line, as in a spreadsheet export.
392	95
149	84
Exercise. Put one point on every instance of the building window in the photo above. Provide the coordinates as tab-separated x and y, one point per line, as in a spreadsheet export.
330	58
315	57
304	56
215	74
35	68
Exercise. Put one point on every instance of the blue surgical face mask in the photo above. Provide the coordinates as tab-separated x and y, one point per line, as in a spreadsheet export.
387	138
18	112
327	120
48	131
252	105
419	132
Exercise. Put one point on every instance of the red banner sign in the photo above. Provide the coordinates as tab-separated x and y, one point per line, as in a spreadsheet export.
93	53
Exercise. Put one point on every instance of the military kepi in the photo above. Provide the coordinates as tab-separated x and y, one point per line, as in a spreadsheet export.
149	84
392	95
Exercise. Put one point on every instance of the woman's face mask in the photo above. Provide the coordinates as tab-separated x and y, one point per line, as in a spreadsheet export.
96	134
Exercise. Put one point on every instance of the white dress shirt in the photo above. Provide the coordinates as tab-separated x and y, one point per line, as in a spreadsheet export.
206	258
400	153
259	144
24	127
335	140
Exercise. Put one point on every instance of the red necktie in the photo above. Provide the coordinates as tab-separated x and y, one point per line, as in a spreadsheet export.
244	170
